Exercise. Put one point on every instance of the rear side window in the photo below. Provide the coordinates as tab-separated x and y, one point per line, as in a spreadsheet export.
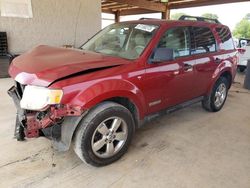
203	40
226	38
177	39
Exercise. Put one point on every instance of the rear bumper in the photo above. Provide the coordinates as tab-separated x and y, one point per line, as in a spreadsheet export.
30	124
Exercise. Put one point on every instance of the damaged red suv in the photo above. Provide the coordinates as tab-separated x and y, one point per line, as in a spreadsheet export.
96	96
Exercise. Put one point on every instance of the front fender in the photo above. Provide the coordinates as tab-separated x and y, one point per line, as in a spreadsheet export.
93	93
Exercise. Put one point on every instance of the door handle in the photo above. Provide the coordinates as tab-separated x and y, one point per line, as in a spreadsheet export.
217	60
188	67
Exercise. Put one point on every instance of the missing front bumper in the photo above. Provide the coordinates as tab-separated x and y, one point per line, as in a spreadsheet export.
29	123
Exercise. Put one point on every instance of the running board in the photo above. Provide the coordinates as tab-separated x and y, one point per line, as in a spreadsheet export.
170	110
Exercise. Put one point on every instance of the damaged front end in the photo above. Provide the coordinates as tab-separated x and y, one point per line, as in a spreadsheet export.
48	122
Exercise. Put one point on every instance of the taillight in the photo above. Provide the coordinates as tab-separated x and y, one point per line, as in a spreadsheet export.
241	50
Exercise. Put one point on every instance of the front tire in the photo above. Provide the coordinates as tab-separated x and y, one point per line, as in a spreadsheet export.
104	135
217	98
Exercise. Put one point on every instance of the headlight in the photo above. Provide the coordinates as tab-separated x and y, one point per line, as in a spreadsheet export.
37	98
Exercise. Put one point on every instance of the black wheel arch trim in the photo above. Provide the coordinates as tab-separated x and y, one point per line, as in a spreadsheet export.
68	128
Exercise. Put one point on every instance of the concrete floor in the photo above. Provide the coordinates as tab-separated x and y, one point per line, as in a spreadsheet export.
188	148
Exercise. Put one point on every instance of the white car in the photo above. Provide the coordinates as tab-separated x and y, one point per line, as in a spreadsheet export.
244	56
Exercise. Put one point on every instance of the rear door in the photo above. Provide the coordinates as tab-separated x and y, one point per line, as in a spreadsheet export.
206	56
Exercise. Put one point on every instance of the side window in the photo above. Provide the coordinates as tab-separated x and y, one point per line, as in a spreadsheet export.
204	41
226	38
177	39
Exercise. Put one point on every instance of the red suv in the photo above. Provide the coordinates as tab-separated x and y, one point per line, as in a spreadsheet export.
128	73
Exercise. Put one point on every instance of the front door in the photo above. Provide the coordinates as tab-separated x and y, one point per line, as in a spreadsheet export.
170	83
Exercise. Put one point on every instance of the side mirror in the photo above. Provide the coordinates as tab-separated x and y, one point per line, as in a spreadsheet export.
162	55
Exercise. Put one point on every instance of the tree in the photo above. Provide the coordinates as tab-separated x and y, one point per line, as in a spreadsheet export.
247	17
242	29
176	16
210	15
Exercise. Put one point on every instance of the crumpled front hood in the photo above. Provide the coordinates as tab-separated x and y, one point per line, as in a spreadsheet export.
44	64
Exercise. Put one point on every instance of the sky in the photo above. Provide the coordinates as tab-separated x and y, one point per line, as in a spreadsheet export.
229	14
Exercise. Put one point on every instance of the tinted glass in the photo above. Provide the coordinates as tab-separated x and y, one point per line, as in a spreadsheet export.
178	40
204	41
226	38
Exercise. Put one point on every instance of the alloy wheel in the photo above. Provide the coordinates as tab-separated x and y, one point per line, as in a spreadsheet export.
109	137
220	95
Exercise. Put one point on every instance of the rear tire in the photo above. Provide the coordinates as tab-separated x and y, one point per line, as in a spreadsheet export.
217	98
104	135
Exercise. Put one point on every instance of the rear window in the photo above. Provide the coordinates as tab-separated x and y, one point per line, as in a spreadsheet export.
204	41
226	38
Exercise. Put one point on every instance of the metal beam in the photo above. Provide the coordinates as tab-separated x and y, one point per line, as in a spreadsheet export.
136	11
108	11
198	3
144	4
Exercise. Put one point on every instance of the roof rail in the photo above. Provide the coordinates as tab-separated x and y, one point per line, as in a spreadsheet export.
203	19
148	19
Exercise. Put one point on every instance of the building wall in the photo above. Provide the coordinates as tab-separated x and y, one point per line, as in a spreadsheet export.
54	22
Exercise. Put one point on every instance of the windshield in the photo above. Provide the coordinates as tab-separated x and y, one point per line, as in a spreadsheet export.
122	40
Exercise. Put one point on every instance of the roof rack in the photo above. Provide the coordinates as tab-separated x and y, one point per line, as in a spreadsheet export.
148	19
203	19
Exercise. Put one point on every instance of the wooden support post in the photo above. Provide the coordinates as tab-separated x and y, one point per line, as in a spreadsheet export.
166	15
117	16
